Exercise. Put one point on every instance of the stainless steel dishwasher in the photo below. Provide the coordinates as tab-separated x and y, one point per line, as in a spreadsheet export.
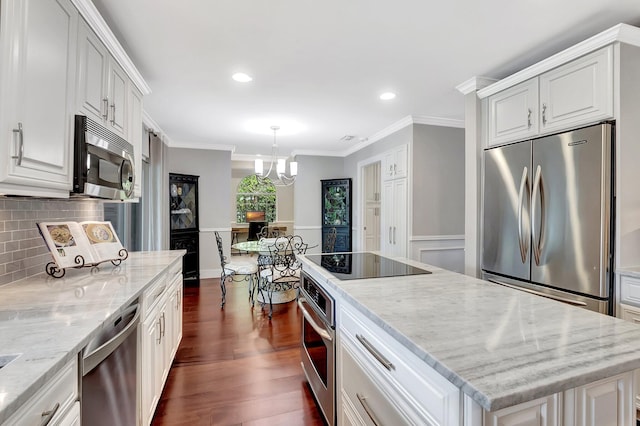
109	391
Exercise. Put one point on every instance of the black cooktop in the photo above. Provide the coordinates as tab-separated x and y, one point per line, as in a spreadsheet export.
354	266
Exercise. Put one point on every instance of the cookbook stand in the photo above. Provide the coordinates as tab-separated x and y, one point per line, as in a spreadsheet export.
55	271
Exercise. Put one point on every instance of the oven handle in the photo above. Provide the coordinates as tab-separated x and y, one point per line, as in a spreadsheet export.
321	331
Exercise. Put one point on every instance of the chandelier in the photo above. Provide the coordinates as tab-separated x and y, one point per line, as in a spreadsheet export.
281	165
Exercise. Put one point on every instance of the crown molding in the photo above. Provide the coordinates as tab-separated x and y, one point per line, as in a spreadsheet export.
317	153
151	123
200	145
437	121
387	131
97	23
618	33
474	84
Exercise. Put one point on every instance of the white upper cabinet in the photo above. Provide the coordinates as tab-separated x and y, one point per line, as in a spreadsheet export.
37	77
513	113
136	135
578	92
395	163
102	84
575	94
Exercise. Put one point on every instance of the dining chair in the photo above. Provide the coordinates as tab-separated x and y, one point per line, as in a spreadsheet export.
247	270
254	230
280	270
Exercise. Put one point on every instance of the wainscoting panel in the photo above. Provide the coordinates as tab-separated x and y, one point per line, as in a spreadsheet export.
311	235
443	251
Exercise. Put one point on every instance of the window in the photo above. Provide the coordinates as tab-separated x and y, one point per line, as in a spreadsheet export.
255	195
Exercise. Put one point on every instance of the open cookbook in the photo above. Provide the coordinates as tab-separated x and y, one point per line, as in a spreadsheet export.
95	242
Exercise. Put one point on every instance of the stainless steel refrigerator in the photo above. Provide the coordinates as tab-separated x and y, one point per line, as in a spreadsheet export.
547	216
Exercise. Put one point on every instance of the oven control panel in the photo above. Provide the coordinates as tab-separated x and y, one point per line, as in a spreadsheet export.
318	299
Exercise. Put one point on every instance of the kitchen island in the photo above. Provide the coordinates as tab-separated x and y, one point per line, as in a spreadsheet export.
47	321
496	348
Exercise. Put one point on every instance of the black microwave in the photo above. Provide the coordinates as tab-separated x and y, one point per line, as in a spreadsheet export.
103	165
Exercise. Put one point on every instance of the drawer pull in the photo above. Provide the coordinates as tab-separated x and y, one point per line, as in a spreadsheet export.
48	415
159	293
368	410
376	354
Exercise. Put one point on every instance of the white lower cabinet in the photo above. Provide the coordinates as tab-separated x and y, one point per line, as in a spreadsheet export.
55	404
380	382
160	333
608	402
378	378
393	235
539	412
372	402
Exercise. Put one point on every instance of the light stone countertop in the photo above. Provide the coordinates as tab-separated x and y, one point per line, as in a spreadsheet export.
498	345
49	320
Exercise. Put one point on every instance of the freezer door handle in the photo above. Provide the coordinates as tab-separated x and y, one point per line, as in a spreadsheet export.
538	234
524	183
539	293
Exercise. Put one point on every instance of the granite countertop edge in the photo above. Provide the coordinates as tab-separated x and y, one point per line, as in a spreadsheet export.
54	361
497	400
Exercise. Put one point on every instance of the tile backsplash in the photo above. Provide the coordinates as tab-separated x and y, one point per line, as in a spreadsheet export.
22	250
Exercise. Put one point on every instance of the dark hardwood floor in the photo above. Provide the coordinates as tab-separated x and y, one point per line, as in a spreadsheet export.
234	366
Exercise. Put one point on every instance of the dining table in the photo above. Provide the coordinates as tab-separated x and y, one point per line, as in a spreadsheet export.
261	248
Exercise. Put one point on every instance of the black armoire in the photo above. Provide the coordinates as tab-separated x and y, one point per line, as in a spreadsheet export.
336	214
183	220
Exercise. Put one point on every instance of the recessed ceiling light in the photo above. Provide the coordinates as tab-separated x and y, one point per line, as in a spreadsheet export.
387	96
241	77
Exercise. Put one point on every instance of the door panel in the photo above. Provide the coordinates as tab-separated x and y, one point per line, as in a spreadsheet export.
503	251
570	210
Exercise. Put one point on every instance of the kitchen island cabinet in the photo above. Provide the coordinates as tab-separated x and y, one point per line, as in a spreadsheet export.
513	358
48	321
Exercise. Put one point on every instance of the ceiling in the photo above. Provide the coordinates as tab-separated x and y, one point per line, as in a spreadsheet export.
323	64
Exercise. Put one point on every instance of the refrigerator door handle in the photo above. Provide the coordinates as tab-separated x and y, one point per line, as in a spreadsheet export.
524	182
538	234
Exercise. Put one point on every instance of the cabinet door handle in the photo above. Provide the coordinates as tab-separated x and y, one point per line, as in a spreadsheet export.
113	114
105	105
46	416
395	169
544	113
394	235
376	354
164	325
20	133
390	235
529	118
368	410
159	339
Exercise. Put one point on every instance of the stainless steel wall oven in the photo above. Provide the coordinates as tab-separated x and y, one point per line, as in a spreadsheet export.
318	344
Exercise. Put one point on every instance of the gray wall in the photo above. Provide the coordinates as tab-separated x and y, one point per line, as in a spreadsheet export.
438	180
307	194
214	185
214	192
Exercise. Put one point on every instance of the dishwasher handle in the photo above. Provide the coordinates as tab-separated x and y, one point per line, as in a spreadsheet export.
95	357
